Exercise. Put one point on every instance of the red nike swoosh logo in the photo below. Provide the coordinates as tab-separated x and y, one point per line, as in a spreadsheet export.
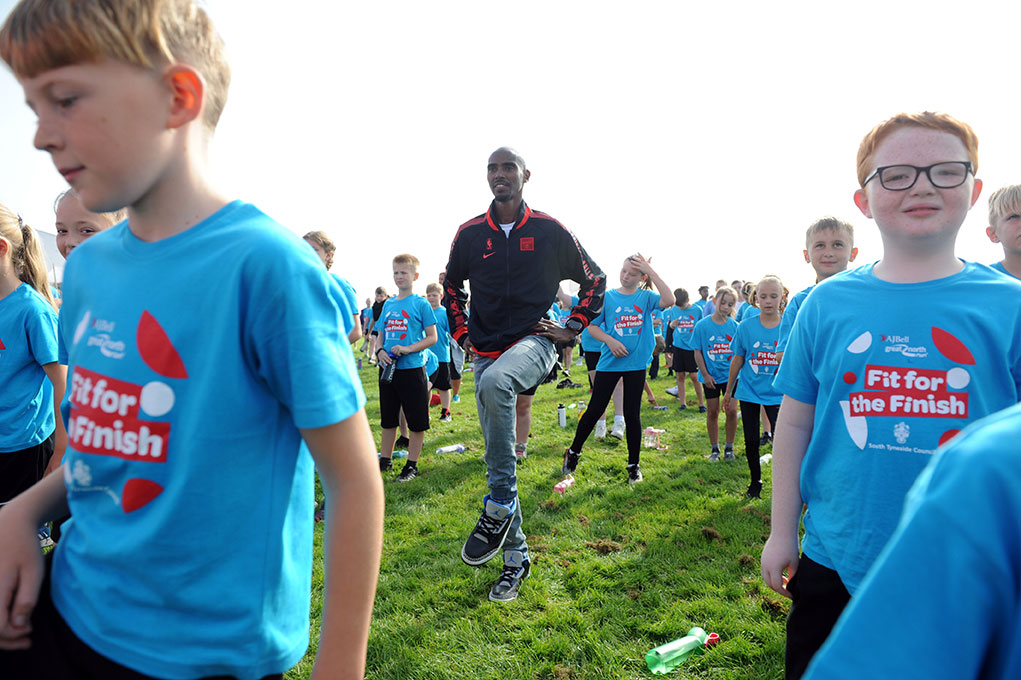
487	255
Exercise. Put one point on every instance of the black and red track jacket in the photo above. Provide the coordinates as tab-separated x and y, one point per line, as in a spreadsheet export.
514	279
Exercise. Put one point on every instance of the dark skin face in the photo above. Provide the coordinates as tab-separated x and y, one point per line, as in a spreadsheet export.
506	174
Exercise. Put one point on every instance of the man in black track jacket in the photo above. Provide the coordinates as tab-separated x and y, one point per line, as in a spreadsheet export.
515	258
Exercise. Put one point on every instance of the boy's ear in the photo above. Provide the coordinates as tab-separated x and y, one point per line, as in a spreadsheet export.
990	232
862	201
187	90
416	277
976	191
807	258
854	254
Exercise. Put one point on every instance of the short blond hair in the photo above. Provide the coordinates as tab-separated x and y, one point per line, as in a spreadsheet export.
829	224
407	258
40	35
926	120
1003	201
434	288
113	217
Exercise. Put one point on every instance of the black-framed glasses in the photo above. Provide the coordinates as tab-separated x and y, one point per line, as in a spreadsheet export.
941	175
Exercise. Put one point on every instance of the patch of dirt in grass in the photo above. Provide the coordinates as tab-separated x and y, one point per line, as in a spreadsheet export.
537	547
761	514
711	534
746	561
700	482
775	610
604	546
566	564
562	673
550	504
633	594
583	520
620	516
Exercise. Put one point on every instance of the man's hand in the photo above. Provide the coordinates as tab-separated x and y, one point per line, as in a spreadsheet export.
553	331
468	347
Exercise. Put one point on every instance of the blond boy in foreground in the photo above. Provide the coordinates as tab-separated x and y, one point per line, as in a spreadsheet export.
202	410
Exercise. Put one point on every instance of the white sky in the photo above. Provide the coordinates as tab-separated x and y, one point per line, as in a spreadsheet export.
708	135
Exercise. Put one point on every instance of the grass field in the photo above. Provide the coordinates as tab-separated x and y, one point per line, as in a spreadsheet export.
616	570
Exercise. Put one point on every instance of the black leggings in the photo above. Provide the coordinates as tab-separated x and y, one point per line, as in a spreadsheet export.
750	423
602	390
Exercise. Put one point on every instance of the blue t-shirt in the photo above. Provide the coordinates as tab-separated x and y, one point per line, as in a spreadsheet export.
442	347
790	313
894	370
757	344
403	322
708	308
350	299
700	304
588	343
747	310
962	525
686	320
628	318
998	266
713	340
183	409
28	341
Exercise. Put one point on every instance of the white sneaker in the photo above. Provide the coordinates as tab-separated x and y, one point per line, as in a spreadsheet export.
600	429
672	391
617	431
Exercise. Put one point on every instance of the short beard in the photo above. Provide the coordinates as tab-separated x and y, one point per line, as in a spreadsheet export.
502	198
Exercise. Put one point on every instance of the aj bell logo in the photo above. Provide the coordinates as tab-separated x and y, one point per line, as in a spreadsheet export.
900	344
108	347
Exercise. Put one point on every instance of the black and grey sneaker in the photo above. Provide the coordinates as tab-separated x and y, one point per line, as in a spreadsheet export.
490	532
634	474
409	472
515	570
402	442
714	456
570	462
385	464
728	455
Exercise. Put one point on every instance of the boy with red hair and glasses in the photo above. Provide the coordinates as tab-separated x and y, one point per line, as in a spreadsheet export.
884	364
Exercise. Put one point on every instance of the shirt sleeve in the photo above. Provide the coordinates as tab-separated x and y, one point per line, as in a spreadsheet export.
42	335
296	345
796	377
739	345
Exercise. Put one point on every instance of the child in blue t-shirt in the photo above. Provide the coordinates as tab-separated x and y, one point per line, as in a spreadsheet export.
962	518
325	248
752	369
683	325
33	380
884	364
1005	228
407	326
829	248
182	406
710	342
625	326
440	379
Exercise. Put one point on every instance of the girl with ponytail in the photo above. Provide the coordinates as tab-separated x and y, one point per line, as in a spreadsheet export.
31	380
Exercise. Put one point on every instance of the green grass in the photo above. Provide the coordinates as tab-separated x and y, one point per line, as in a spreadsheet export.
616	570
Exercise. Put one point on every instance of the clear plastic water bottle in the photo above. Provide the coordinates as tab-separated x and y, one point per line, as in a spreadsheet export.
765	460
561	416
452	448
564	484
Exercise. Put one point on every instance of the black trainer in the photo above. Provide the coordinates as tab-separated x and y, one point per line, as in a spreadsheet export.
385	464
570	462
490	532
634	474
754	490
409	472
402	442
515	570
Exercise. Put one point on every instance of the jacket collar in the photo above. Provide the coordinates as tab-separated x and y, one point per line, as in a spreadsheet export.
523	214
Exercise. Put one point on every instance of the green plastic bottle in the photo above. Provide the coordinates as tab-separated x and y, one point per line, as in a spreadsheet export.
665	658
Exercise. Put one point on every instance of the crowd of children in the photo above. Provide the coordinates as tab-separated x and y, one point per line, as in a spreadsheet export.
863	377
